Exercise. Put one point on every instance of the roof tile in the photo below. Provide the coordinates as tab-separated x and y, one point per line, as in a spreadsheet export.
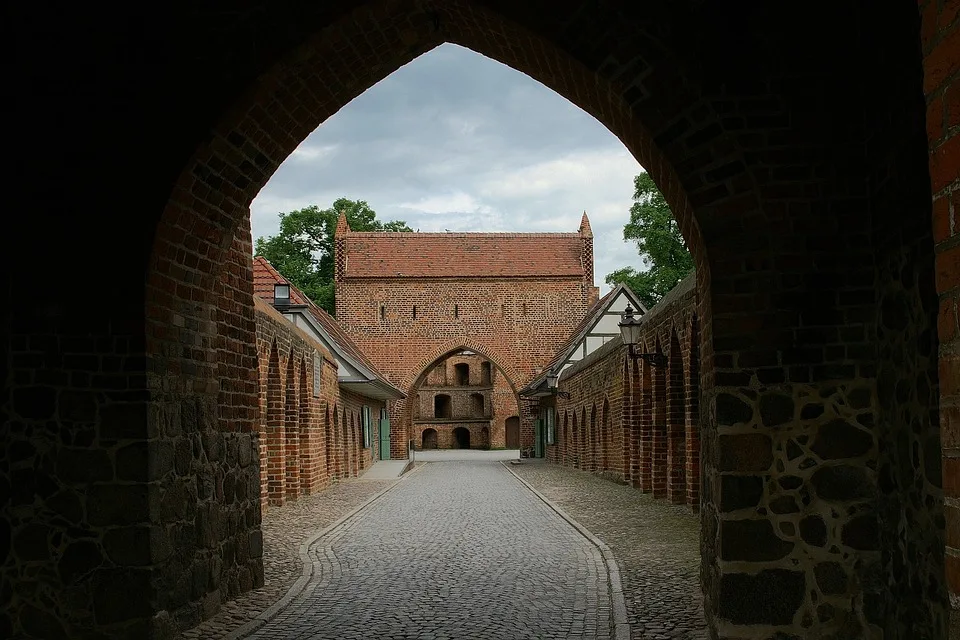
466	255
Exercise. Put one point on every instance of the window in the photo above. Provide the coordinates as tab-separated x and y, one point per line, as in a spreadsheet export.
383	312
365	423
463	374
456	311
550	418
414	312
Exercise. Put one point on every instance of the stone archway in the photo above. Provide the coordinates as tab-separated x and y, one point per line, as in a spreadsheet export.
808	208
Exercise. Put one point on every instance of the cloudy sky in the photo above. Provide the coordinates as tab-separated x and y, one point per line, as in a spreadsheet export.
456	141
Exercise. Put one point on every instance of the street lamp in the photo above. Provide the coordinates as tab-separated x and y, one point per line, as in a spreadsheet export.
630	330
553	380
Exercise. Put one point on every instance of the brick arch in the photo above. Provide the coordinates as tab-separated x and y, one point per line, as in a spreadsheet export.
418	373
802	179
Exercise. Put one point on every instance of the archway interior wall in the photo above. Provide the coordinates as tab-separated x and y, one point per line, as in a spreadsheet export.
499	398
741	154
939	30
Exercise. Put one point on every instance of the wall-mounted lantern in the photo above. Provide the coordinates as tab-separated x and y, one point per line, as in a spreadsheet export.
630	330
553	381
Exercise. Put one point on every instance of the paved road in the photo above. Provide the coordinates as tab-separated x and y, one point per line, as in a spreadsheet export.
456	550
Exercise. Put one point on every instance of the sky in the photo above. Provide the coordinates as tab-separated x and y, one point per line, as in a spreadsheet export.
456	141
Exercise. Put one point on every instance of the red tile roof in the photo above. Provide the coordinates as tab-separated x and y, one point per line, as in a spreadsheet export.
472	255
265	276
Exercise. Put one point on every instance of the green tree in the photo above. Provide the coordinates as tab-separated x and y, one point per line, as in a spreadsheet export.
662	248
303	250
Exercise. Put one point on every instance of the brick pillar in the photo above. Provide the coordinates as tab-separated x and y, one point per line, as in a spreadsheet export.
659	429
275	433
676	425
309	422
644	421
291	431
327	444
692	417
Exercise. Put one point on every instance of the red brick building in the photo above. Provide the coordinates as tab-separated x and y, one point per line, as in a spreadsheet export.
632	418
323	405
410	300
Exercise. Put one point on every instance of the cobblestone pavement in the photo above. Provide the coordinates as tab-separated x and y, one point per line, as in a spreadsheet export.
656	544
456	550
284	530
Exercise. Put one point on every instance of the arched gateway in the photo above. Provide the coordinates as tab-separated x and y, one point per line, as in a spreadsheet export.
800	175
400	295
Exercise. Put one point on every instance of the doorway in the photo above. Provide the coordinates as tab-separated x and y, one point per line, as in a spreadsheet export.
461	436
513	432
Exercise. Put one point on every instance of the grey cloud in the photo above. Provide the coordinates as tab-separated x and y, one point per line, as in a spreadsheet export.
452	122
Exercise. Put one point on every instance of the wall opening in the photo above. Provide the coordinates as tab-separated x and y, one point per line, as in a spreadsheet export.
442	407
462	371
513	432
461	437
477	408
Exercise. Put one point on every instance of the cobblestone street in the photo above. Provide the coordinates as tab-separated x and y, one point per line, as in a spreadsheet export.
461	549
457	550
284	530
656	545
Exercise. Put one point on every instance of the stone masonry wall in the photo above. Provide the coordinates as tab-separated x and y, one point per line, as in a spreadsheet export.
940	42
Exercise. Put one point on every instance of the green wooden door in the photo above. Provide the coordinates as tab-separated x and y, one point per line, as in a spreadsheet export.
538	439
384	429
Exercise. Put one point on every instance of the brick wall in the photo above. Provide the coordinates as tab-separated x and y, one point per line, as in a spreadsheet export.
307	438
940	40
633	422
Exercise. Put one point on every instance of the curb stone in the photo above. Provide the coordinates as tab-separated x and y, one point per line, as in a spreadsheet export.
621	625
308	569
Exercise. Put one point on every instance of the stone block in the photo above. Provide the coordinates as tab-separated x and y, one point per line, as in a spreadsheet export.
751	541
770	597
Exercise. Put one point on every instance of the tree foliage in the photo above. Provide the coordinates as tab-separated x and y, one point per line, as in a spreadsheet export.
662	248
303	249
